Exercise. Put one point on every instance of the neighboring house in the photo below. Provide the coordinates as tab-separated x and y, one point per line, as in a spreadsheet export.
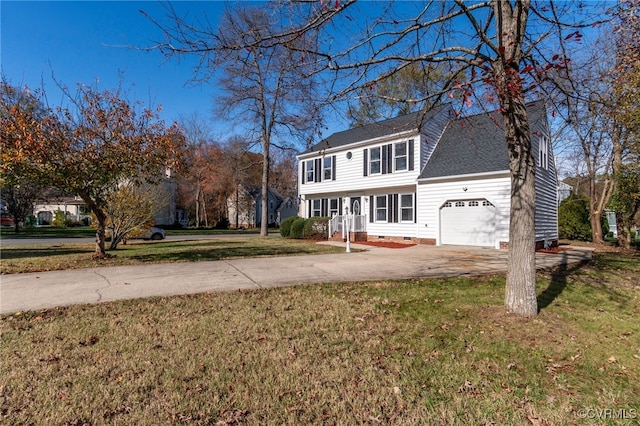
564	191
244	207
427	178
53	200
76	209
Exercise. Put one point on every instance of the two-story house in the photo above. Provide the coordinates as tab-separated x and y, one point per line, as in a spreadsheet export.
427	178
244	207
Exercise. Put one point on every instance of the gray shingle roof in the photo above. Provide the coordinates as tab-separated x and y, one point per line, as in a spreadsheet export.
376	130
475	144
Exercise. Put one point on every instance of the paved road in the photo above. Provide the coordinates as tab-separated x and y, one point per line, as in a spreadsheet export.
34	291
7	241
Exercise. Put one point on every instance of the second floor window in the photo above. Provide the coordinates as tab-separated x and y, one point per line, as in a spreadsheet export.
375	161
400	156
327	168
310	171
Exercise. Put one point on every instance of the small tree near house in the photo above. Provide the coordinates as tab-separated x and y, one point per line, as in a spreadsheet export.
88	148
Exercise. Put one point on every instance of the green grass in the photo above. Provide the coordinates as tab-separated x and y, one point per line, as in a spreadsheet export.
410	352
47	257
87	231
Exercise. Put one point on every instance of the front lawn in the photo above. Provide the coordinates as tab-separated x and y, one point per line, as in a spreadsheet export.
410	352
48	257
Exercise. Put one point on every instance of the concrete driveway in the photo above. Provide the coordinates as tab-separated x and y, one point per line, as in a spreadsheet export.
42	290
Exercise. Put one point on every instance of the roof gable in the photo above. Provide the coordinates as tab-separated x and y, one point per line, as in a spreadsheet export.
404	123
475	144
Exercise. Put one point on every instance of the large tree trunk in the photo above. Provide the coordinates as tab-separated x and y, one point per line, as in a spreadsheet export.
101	217
520	294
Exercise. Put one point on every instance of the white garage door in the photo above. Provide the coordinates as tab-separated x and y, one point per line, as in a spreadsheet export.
468	223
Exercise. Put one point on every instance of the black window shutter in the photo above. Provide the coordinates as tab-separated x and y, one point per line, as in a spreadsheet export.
390	208
309	208
415	208
389	158
385	170
304	175
371	210
340	205
395	208
366	162
411	154
325	207
318	170
333	168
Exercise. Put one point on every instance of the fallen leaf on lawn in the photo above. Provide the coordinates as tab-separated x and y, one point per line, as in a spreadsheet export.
612	360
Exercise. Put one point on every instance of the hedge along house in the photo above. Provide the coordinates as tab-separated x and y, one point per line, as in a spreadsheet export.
427	178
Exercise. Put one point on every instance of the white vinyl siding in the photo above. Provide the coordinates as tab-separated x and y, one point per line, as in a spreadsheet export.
546	188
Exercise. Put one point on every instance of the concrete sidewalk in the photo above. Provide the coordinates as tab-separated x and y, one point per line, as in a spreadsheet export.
32	291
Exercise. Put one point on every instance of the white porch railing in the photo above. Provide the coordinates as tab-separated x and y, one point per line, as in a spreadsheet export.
337	223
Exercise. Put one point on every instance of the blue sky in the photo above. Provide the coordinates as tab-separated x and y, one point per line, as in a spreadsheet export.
78	42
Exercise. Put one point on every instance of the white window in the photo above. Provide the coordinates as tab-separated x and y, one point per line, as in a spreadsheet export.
333	206
316	207
448	204
543	154
400	156
406	207
327	168
375	161
459	203
486	203
310	173
381	208
473	203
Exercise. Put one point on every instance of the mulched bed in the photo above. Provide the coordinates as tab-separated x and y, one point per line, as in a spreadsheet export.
385	244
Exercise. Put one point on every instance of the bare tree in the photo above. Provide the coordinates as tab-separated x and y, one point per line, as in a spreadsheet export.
626	115
268	89
583	99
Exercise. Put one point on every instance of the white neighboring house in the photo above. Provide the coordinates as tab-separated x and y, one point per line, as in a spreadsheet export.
73	207
427	178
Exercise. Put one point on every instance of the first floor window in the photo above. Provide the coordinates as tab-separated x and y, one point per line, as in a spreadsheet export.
316	207
333	206
406	207
381	208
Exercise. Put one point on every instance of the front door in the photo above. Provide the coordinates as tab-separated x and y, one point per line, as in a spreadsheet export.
355	206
